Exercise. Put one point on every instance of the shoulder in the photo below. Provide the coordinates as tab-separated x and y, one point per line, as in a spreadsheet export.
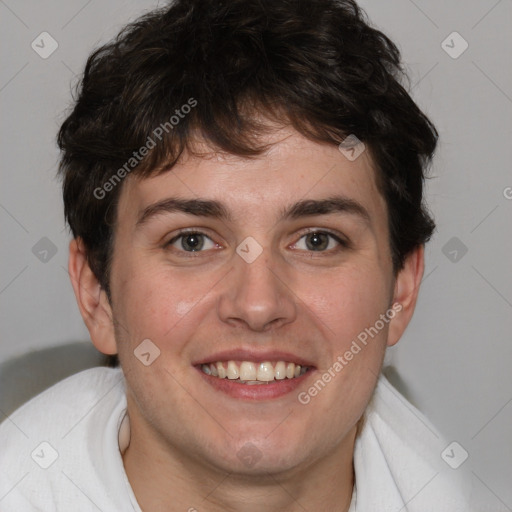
399	452
64	400
69	428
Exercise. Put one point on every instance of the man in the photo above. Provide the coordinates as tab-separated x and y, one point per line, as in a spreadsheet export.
244	184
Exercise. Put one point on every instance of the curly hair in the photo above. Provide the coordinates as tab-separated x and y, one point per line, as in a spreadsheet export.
315	65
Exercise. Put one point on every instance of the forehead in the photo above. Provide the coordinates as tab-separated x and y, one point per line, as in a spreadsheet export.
292	169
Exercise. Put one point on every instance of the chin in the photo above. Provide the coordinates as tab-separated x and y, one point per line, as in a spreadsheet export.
261	454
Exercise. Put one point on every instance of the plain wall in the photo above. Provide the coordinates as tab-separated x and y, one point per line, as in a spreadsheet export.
454	360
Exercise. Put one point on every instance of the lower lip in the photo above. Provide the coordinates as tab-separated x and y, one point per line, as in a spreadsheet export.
266	391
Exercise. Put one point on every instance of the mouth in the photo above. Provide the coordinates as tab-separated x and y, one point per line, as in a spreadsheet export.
253	376
251	373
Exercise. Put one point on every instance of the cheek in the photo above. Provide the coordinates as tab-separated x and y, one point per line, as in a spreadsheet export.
158	304
143	301
347	302
348	305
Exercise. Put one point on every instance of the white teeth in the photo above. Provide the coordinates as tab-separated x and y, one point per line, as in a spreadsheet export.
280	370
247	371
254	373
220	370
265	372
232	371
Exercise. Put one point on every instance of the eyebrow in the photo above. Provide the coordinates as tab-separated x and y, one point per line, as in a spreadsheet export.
217	210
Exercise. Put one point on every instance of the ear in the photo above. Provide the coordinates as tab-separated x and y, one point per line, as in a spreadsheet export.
91	298
407	286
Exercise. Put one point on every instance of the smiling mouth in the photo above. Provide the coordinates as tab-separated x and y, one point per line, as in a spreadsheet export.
248	372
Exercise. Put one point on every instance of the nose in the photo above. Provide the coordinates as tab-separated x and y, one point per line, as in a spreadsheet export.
257	296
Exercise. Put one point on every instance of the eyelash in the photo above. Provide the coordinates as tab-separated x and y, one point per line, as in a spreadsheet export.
343	244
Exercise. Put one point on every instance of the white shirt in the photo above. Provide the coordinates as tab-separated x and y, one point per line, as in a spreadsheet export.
60	452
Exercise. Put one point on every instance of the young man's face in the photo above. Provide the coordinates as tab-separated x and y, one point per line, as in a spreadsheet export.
227	301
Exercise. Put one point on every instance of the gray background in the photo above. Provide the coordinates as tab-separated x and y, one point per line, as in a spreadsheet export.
455	357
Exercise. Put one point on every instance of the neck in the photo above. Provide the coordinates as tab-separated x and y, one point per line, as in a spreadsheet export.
170	481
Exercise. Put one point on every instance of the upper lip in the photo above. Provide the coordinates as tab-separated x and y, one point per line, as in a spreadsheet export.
255	356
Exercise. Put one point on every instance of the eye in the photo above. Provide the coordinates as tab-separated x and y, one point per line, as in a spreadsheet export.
192	241
319	241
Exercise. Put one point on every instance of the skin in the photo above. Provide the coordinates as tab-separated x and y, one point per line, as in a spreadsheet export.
185	435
